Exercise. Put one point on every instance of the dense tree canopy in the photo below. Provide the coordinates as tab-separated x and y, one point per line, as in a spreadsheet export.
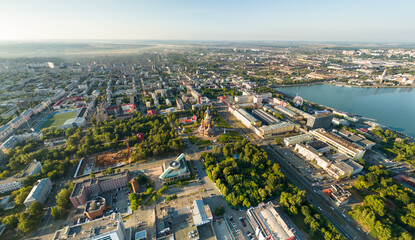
245	181
389	212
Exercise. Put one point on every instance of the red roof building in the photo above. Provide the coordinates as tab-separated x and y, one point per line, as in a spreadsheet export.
152	112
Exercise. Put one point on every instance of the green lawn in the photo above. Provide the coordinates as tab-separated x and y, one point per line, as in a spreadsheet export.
58	119
221	123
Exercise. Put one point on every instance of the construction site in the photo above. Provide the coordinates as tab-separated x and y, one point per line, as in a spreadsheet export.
102	161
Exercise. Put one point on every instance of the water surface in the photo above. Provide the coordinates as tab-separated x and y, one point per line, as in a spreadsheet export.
392	107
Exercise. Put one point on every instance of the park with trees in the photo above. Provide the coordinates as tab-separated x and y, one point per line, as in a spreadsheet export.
400	149
388	209
246	180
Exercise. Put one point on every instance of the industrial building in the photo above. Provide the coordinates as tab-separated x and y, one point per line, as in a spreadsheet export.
268	223
290	141
15	182
175	170
106	228
82	190
246	118
285	111
266	117
39	192
344	146
276	129
313	155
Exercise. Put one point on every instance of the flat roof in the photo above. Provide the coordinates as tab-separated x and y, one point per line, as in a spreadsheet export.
88	182
89	229
20	176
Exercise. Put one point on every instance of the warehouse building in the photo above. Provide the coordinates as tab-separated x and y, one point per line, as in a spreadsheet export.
246	118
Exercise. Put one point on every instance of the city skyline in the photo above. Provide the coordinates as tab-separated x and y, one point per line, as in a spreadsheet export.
351	21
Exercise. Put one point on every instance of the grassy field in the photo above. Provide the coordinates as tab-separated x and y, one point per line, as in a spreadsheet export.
221	123
58	119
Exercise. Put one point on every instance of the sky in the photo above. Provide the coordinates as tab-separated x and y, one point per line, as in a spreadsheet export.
209	20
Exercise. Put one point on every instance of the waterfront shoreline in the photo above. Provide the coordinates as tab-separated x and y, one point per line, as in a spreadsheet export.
335	84
412	138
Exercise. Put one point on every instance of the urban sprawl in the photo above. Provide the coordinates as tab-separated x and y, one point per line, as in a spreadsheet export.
196	142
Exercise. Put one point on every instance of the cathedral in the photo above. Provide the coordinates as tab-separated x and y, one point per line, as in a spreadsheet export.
207	127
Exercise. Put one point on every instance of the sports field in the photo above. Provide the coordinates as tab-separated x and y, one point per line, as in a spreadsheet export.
58	119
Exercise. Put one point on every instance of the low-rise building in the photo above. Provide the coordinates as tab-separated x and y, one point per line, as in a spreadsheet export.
340	170
39	192
201	213
290	141
106	228
313	155
268	223
337	194
175	170
15	182
95	208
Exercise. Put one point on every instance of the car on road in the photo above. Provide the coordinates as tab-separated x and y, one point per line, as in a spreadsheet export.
242	221
230	218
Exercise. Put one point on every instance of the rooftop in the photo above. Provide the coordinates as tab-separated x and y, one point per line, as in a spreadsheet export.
89	229
20	176
38	188
79	186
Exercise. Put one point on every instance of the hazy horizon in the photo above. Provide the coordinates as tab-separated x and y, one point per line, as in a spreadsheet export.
184	20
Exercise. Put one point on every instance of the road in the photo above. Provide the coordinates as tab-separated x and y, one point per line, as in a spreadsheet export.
343	224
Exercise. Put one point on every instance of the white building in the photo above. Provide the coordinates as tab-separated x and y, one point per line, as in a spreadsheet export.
39	192
276	129
344	146
105	228
290	141
247	119
313	155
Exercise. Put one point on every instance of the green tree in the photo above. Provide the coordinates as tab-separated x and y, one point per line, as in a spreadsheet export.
11	221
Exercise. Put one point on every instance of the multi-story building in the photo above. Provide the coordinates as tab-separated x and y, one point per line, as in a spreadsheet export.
268	224
246	118
290	141
15	139
39	192
313	155
15	182
276	129
320	120
344	146
106	228
82	190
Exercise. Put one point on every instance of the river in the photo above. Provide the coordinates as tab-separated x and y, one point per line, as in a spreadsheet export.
392	107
